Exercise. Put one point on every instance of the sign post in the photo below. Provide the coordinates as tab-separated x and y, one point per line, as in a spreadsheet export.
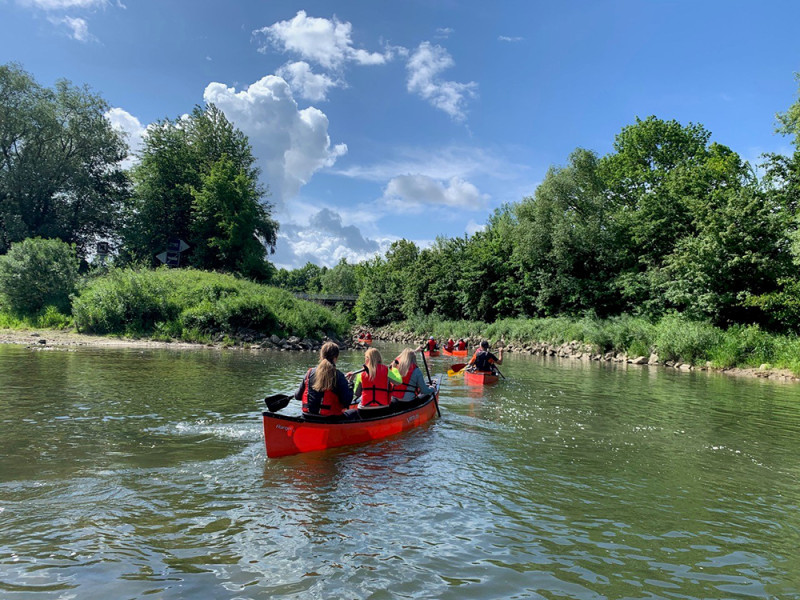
172	255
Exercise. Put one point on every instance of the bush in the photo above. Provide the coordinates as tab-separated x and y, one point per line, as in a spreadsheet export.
37	273
194	305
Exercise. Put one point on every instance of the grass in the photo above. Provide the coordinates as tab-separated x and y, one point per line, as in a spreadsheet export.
195	306
673	338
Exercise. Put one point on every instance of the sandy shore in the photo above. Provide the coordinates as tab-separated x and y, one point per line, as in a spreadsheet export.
59	338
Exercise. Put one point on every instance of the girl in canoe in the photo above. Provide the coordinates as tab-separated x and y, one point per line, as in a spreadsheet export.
324	390
375	386
412	381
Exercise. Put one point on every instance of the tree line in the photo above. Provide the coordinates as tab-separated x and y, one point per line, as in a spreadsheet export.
667	222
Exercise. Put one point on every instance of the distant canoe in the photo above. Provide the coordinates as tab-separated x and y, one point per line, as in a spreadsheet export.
480	377
447	352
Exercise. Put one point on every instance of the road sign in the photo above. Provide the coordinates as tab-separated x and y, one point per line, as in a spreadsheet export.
176	245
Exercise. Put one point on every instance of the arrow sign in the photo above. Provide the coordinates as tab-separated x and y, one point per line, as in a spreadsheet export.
176	245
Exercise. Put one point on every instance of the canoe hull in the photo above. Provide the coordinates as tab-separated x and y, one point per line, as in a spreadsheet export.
480	378
455	352
284	435
431	353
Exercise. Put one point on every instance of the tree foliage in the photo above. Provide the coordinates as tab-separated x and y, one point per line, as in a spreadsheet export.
197	181
60	174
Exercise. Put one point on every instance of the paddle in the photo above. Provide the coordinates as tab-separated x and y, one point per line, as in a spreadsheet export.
430	382
277	401
456	369
498	372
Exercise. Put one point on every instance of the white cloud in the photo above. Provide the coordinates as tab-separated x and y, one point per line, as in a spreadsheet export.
424	67
327	42
505	38
53	5
439	163
472	227
311	86
443	33
79	28
131	128
290	144
325	240
413	193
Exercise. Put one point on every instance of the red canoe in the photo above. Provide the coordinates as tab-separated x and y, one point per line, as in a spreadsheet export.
454	352
431	353
365	341
285	435
480	378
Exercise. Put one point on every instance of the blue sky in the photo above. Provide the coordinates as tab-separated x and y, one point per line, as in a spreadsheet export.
374	121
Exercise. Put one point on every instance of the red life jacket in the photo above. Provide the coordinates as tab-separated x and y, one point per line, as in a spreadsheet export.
375	392
329	406
431	345
462	345
449	345
399	389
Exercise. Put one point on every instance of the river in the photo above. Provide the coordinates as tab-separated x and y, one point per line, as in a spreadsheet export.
131	473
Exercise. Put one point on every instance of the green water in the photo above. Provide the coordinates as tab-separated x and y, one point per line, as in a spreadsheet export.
128	474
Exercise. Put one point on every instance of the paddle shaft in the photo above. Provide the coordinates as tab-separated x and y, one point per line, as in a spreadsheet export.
430	382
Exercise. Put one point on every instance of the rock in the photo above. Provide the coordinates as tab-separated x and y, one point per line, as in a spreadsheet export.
763	367
34	335
639	360
686	367
43	341
274	339
653	360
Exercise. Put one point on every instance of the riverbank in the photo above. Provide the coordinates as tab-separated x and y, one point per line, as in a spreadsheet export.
43	338
724	346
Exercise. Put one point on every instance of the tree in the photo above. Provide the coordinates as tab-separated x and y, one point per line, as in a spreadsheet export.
36	273
60	174
340	280
197	181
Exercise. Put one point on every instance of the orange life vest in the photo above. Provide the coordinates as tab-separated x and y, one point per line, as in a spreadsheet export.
328	407
399	389
375	392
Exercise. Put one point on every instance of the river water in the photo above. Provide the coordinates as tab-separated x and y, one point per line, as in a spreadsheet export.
130	473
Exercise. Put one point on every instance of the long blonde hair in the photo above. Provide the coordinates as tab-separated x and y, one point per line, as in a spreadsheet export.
372	358
325	375
405	360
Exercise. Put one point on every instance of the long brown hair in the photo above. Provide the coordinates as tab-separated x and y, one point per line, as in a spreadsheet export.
405	360
325	375
372	358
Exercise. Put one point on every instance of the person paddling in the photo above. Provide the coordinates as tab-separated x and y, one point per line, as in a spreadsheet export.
461	344
412	381
375	387
324	390
450	345
483	361
431	345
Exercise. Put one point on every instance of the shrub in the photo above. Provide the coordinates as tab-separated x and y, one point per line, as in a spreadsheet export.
37	273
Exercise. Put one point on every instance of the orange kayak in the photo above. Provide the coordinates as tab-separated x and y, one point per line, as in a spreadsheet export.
480	378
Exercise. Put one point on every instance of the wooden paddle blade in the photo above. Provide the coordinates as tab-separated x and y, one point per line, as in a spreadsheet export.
277	401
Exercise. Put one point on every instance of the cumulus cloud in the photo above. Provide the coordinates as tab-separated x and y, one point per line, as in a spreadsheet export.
413	193
327	42
131	128
309	85
79	28
505	38
325	240
424	69
290	144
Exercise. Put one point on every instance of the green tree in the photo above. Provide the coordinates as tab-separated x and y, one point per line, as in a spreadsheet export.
36	273
197	180
341	279
60	174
